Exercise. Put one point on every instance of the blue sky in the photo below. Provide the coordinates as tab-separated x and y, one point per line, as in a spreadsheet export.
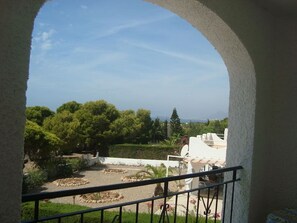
130	53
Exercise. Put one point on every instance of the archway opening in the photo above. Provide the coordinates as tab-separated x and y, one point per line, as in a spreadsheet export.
242	80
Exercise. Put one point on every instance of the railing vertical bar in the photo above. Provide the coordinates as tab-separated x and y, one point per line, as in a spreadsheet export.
152	211
224	206
164	211
59	220
175	208
216	208
82	218
136	214
207	205
36	210
187	208
198	203
232	196
121	211
102	216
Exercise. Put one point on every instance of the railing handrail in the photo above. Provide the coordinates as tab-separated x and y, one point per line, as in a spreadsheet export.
72	192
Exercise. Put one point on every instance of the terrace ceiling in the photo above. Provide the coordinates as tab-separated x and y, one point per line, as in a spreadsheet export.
279	7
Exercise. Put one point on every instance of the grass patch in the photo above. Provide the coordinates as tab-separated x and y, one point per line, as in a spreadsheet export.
47	209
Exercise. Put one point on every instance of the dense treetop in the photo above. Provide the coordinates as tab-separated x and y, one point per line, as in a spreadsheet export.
71	106
95	125
38	114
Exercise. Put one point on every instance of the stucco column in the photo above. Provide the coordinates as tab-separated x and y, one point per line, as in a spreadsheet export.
225	26
16	24
281	164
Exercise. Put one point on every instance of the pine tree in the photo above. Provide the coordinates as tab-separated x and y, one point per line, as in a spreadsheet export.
175	126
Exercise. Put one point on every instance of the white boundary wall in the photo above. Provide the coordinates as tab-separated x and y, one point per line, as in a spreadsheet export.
136	162
92	160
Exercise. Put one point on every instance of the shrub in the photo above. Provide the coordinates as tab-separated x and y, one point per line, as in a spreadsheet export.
56	168
77	164
158	152
64	170
33	179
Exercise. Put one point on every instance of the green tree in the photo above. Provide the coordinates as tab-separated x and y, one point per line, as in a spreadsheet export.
40	144
157	131
96	118
224	124
172	140
71	106
199	128
144	118
64	125
165	129
175	126
218	126
126	127
193	128
38	114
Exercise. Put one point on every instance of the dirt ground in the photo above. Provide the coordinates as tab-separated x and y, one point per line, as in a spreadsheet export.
96	176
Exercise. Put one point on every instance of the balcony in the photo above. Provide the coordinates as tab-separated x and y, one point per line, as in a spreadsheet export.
193	204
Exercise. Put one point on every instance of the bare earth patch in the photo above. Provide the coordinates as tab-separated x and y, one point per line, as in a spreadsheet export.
97	177
102	197
70	182
106	171
132	178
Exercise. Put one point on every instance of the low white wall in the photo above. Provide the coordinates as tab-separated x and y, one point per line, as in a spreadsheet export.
136	162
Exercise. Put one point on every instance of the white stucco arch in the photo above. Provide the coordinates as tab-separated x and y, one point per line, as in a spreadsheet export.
242	89
242	86
258	43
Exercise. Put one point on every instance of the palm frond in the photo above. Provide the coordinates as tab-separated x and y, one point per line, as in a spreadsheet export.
153	172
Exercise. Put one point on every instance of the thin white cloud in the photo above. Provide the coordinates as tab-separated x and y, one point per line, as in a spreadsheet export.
77	64
178	55
84	7
44	39
46	45
130	25
41	24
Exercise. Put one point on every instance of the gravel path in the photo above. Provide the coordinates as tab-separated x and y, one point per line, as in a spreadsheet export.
97	177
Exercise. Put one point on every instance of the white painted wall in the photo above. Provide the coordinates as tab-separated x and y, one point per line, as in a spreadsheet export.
136	162
126	161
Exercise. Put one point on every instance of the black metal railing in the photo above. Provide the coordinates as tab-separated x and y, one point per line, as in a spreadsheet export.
201	203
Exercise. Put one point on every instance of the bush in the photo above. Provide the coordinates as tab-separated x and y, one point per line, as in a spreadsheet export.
77	164
56	168
64	170
158	152
33	179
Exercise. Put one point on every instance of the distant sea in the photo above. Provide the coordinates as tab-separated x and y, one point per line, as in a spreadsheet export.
182	120
216	116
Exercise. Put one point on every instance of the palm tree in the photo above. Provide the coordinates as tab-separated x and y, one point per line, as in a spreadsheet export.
154	172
